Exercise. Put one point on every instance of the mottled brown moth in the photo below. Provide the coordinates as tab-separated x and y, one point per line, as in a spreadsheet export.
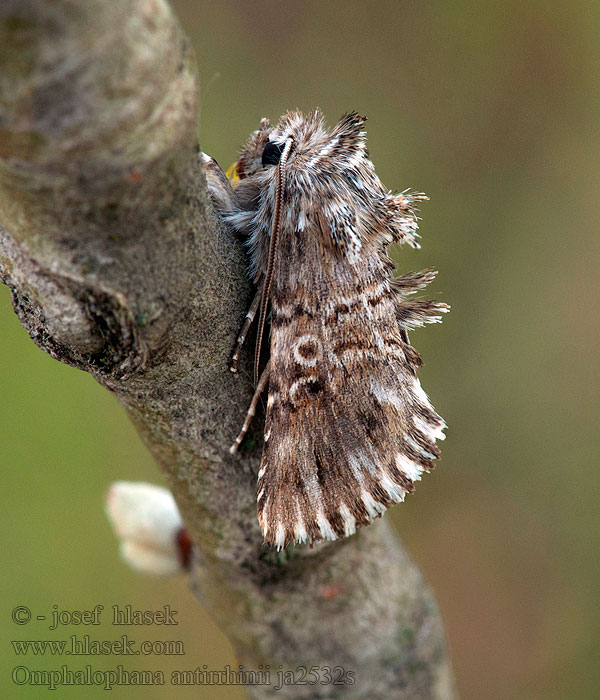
348	427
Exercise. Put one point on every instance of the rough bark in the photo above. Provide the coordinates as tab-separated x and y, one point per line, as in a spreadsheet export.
118	266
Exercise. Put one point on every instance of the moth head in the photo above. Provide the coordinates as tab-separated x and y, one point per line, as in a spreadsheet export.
315	147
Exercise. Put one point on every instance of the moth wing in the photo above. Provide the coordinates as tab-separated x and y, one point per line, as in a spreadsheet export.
348	427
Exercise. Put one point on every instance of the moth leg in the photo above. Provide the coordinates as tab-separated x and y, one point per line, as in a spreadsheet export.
246	326
260	387
218	186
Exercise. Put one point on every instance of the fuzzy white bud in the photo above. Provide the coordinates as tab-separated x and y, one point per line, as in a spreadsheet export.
146	520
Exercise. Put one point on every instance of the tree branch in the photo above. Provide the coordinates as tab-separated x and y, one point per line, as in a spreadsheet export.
118	266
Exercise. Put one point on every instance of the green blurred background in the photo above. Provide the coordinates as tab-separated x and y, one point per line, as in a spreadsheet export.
493	110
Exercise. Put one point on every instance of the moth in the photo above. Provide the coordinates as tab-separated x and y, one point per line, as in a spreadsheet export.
348	428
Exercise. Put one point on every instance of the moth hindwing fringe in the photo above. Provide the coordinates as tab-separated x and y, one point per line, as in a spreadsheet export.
348	427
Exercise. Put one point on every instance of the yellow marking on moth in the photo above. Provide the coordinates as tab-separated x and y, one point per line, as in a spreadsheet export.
232	173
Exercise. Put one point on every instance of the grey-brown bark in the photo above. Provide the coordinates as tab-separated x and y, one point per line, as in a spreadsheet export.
118	266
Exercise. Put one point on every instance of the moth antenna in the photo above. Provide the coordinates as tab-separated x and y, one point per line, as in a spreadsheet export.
272	248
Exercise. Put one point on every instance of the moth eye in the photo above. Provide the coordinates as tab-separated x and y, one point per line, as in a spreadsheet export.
271	154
